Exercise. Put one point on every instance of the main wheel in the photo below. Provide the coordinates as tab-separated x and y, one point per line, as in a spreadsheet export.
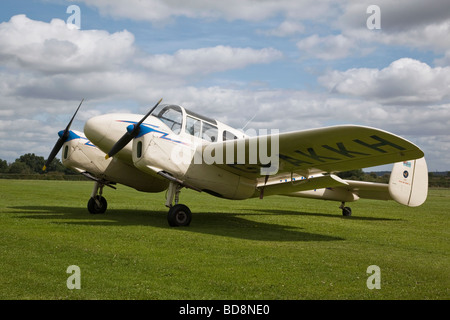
346	211
179	216
97	205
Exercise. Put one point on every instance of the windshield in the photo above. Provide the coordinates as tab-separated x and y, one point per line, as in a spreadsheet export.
172	116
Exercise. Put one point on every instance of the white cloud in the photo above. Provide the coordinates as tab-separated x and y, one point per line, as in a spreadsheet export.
404	81
250	10
444	61
51	61
410	23
396	16
326	48
54	48
208	60
46	68
285	29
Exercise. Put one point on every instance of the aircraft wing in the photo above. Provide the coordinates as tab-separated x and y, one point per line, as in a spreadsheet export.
308	152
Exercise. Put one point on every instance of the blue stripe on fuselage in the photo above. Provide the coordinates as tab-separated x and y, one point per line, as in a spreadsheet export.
147	128
73	136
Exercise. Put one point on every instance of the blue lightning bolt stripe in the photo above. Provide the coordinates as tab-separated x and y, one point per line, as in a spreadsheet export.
147	128
74	136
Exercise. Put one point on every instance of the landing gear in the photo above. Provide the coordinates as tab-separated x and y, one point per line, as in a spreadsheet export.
346	211
179	215
97	203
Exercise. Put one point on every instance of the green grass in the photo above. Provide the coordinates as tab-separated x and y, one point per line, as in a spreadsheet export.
276	248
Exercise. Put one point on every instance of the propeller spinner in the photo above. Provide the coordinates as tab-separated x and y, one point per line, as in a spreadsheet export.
129	135
63	135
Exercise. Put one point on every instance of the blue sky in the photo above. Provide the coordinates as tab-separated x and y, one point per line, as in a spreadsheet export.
295	64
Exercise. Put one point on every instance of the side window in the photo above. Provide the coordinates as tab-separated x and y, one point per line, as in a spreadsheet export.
193	126
209	132
227	135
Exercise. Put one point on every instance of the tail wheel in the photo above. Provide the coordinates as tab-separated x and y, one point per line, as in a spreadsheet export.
97	205
179	216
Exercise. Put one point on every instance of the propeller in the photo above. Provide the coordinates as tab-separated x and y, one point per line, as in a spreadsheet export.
129	135
63	135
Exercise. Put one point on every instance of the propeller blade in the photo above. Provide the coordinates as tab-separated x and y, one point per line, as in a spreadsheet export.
129	135
150	112
123	141
61	140
73	117
54	152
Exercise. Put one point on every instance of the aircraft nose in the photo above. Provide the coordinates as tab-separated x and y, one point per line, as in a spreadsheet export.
96	129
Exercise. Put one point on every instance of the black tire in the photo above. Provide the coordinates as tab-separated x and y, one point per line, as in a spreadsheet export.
347	212
179	216
94	208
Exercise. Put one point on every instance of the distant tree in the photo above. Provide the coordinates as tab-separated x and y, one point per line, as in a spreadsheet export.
19	167
34	162
56	165
4	167
31	164
352	174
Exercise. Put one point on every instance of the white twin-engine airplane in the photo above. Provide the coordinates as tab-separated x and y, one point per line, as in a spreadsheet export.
171	148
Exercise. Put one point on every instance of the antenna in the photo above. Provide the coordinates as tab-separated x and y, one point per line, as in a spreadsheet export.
250	120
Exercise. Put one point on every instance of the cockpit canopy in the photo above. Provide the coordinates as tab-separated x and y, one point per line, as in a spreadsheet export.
171	115
181	120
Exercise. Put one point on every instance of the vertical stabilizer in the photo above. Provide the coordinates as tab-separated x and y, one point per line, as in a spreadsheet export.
408	184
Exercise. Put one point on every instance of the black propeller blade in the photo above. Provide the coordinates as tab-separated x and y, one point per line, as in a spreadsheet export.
62	138
129	135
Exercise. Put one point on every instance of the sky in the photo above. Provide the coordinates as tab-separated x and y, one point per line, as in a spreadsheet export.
259	64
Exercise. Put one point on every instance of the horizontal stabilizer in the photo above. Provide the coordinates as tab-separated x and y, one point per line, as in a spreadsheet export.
326	181
369	190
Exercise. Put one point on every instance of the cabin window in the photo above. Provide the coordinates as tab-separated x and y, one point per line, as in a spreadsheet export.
227	135
209	132
193	126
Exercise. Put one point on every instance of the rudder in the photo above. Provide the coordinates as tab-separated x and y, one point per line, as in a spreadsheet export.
408	184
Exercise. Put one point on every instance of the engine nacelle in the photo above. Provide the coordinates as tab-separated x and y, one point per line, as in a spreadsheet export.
154	151
79	154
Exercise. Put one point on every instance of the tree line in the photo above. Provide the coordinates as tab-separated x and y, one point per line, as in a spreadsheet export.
29	164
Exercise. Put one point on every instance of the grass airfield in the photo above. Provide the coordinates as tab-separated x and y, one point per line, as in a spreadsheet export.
278	248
